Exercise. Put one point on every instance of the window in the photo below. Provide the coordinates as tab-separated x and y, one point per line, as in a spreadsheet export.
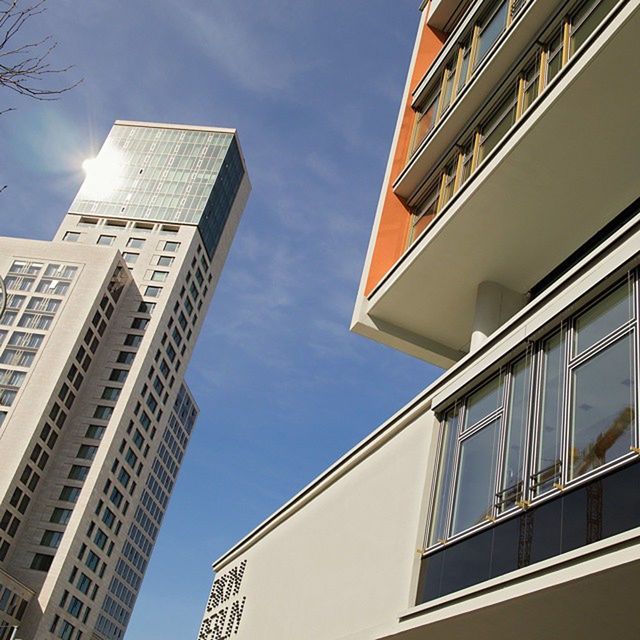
164	261
87	452
129	257
586	19
84	583
92	561
51	539
171	246
159	276
71	236
100	539
41	562
152	292
490	31
78	472
126	357
103	412
69	494
135	243
118	375
139	323
95	432
132	340
75	607
60	516
106	240
584	391
110	393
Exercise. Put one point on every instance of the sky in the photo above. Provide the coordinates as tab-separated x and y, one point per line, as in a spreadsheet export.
283	387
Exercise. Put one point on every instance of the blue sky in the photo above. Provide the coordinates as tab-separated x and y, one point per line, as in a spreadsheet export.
284	388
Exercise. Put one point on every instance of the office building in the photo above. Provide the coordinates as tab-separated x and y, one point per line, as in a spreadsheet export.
95	415
502	501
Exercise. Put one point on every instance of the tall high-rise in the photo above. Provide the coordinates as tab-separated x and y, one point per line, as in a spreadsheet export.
95	415
502	501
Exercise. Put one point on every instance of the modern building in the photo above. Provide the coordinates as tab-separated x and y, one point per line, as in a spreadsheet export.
95	415
503	500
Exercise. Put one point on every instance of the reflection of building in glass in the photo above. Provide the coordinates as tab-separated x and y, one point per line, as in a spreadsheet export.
503	499
95	415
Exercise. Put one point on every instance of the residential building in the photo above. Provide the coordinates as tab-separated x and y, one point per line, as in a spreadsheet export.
502	500
95	416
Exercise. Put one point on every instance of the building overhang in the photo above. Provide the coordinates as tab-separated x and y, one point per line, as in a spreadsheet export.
515	220
589	596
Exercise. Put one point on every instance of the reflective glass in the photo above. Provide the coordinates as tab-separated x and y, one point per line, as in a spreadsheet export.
445	480
483	402
548	459
587	19
512	476
602	408
497	128
475	490
491	31
603	318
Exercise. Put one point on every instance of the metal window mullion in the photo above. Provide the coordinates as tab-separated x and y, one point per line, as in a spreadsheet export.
602	344
635	288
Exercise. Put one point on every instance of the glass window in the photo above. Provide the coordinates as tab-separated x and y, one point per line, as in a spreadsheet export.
87	452
586	20
447	86
426	118
164	261
484	401
95	431
51	539
41	562
118	375
153	292
603	318
71	236
135	243
130	258
427	213
491	29
548	461
511	489
78	472
464	67
497	126
475	489
60	516
159	276
531	78
106	240
554	56
445	479
69	494
602	407
171	246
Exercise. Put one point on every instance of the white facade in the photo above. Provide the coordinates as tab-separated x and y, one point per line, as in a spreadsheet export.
96	416
502	501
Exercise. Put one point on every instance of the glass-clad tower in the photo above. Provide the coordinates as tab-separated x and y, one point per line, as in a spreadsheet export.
95	415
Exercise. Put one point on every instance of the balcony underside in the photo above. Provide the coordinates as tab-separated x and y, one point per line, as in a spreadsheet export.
600	605
567	169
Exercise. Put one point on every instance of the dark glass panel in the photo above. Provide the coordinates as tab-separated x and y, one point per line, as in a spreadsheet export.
574	519
467	562
431	577
621	500
543	538
508	540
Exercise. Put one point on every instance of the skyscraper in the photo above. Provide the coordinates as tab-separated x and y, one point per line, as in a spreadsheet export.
503	500
97	333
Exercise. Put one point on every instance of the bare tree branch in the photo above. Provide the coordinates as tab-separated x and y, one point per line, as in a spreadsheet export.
25	67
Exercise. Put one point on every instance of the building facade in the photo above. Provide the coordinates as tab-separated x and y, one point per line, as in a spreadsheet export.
95	416
502	500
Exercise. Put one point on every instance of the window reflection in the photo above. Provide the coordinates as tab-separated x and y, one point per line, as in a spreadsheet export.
602	408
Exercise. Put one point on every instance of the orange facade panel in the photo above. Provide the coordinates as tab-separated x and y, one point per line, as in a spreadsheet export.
393	229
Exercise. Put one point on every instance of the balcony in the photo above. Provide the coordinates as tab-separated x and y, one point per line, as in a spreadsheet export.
557	177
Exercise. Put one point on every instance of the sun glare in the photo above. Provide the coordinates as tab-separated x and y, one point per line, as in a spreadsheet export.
102	173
